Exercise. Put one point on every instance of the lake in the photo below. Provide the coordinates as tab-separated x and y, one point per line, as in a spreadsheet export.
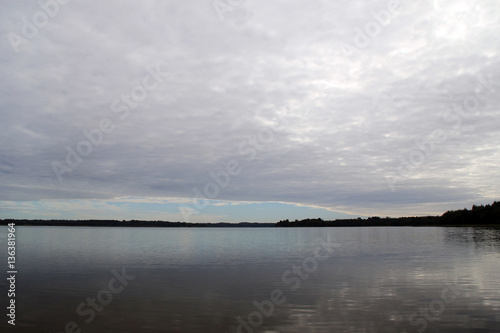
379	279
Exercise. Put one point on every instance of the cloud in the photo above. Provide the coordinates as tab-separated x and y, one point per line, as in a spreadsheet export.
340	123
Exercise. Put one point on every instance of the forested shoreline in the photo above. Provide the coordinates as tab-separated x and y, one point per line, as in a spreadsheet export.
476	216
488	215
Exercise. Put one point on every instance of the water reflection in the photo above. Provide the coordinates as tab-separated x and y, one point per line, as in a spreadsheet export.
481	238
200	280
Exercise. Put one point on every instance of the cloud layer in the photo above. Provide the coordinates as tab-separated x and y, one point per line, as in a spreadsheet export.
386	108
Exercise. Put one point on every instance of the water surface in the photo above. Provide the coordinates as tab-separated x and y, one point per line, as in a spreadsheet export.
394	279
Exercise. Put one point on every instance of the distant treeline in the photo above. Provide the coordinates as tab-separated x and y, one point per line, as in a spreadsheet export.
477	216
134	223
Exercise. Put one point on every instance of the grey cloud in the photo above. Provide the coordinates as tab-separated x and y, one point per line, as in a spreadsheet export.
350	119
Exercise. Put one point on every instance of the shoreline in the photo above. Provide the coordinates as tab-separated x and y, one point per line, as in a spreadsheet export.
477	216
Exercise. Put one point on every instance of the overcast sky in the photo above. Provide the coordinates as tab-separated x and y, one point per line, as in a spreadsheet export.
128	110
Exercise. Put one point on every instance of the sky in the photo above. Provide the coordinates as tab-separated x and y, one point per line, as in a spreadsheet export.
226	110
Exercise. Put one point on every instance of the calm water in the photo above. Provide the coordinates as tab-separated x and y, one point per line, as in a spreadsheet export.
206	280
